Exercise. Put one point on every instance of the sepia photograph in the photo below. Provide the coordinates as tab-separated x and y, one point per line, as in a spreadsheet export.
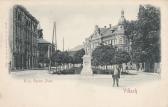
128	47
92	54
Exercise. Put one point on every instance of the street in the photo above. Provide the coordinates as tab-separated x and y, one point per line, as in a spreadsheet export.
135	77
37	88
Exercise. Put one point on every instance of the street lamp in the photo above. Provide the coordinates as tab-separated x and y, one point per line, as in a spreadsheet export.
144	53
131	41
115	54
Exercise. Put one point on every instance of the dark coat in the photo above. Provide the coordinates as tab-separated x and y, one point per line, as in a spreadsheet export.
119	71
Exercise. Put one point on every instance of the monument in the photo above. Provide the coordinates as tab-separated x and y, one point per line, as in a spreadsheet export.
87	69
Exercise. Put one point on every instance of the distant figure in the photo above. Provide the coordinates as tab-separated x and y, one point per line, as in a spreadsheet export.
124	67
127	68
142	66
138	67
116	75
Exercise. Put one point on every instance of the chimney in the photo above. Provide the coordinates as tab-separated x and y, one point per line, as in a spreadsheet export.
110	25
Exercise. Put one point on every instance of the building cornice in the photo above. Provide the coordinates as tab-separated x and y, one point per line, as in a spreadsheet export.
26	12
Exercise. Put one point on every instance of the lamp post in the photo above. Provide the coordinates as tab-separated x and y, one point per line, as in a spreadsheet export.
143	53
131	56
115	54
131	51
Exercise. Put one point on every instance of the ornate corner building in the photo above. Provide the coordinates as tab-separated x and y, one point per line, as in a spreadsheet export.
23	39
112	35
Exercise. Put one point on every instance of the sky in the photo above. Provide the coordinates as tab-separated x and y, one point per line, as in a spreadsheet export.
75	22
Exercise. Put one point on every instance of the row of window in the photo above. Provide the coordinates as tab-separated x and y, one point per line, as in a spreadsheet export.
24	29
25	35
108	42
19	46
94	45
26	20
124	49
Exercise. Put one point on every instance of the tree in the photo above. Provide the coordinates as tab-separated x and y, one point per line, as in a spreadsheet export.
103	55
146	35
122	57
149	21
77	58
131	28
56	57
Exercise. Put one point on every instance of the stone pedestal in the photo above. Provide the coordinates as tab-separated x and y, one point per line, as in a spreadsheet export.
86	70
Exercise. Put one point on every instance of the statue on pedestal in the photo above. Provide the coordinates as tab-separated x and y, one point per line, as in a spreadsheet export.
87	69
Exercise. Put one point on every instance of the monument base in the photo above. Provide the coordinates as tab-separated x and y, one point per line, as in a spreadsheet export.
87	69
87	72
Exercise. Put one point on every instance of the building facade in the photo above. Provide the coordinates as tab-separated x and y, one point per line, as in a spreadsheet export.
23	39
112	35
45	50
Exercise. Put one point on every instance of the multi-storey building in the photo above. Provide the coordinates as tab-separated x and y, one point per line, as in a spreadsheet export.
112	35
23	39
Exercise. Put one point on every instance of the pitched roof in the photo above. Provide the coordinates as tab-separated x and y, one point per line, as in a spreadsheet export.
103	30
41	40
109	32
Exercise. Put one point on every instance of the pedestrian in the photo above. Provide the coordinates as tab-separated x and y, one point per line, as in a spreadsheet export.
116	75
127	68
138	66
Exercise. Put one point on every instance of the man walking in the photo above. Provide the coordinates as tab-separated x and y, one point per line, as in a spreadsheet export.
116	75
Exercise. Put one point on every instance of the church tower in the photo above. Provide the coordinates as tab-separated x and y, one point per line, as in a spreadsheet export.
121	38
122	18
121	22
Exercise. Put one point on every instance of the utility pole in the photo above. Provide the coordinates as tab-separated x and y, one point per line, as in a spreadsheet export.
54	43
54	37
